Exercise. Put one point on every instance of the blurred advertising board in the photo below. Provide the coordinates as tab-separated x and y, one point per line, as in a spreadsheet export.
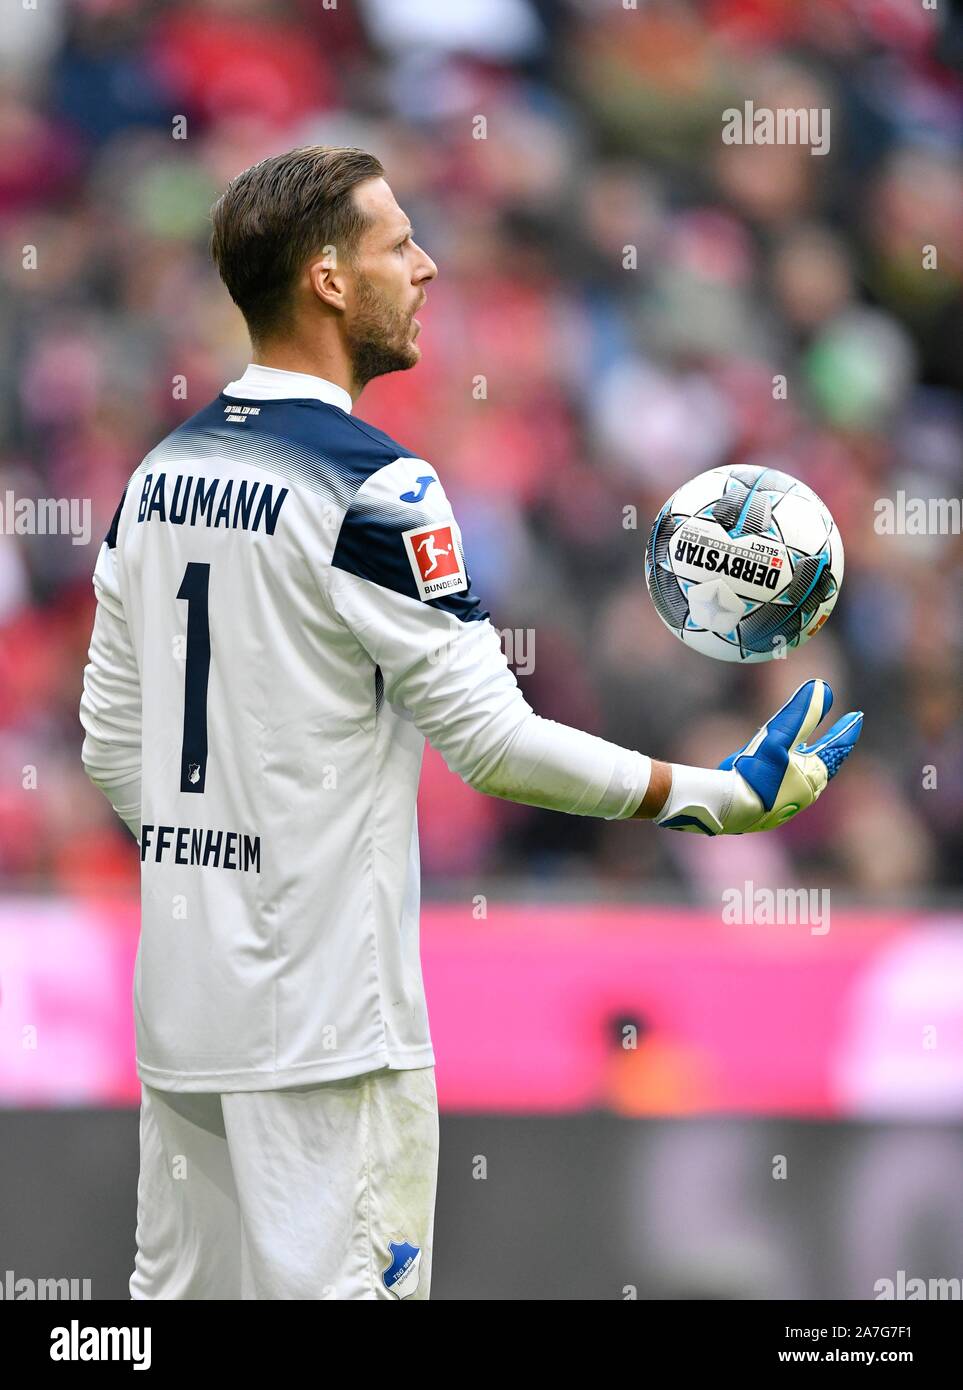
567	1007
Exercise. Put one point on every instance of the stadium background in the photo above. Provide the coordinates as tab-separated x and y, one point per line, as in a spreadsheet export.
565	388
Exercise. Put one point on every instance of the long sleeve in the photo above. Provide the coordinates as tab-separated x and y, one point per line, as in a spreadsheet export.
110	707
441	658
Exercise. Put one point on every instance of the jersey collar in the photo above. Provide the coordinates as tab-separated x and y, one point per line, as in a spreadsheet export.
270	383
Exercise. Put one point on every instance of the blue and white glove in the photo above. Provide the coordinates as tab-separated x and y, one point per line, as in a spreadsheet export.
771	779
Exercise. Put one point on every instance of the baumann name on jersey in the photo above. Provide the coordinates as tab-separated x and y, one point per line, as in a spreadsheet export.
212	502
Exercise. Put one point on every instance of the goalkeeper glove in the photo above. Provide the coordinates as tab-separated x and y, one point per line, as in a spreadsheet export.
772	778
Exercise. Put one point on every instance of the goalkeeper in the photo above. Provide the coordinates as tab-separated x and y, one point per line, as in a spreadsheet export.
284	615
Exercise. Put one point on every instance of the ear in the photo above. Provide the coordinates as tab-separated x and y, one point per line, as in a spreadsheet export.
327	278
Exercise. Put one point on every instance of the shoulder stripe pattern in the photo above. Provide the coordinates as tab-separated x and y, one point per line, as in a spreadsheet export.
308	442
370	546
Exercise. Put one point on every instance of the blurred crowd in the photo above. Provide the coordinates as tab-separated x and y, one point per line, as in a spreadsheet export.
618	290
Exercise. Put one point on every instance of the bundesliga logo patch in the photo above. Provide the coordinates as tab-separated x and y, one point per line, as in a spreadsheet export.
434	553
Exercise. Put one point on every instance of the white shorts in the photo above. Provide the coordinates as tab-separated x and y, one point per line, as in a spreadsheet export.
323	1191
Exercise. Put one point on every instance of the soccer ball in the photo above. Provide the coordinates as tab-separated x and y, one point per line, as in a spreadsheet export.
744	563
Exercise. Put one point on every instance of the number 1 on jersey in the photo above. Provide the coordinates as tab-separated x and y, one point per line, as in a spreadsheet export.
194	588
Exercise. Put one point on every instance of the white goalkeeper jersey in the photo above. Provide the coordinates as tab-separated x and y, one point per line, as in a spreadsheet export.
284	613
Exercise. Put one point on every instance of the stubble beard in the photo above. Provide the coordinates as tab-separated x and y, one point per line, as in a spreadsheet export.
379	339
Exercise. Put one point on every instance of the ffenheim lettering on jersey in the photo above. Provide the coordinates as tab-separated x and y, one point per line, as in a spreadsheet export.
230	502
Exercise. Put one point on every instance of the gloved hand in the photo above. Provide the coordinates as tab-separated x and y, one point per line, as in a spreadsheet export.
772	778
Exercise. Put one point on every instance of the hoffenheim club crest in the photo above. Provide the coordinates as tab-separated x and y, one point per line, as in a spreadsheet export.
401	1276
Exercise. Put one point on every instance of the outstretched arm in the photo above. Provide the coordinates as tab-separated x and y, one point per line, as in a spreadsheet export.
442	661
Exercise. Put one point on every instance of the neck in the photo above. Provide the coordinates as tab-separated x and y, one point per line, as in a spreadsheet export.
331	363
